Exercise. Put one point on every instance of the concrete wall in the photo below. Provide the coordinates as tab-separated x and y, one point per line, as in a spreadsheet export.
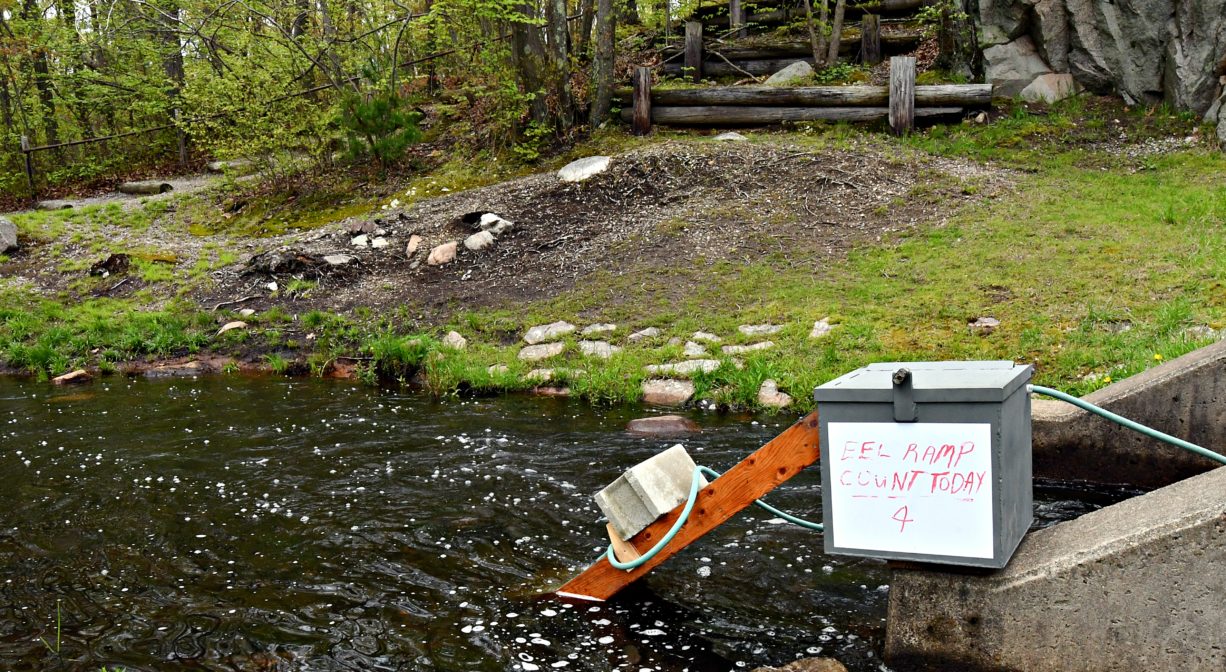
1135	586
1185	397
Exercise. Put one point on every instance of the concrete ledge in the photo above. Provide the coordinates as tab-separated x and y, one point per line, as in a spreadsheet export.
1185	397
1134	586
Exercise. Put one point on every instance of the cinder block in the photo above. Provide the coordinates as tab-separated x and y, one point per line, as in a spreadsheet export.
647	491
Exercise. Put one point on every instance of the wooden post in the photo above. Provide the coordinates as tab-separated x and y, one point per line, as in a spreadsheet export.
693	49
780	459
642	101
902	94
736	17
29	160
870	39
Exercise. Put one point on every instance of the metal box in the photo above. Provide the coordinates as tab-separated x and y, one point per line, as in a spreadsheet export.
927	461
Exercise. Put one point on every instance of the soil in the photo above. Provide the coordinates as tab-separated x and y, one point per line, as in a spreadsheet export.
671	204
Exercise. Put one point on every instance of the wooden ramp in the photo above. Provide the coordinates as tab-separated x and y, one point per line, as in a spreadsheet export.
780	459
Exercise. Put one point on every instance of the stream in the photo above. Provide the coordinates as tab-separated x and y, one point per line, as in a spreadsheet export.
235	523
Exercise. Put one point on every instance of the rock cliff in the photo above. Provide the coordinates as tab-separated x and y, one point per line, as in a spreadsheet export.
1147	51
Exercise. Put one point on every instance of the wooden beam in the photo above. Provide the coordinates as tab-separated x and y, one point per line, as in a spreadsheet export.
780	459
728	115
891	43
642	101
902	94
936	95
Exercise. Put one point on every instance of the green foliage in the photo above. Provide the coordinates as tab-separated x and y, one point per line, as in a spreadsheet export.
378	125
841	73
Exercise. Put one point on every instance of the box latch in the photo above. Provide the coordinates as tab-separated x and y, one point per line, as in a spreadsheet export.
904	396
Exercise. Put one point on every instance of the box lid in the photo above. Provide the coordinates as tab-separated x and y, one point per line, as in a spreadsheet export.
933	382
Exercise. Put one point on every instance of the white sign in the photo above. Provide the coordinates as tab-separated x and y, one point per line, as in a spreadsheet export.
912	487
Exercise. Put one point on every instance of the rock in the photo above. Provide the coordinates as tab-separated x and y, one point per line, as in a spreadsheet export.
821	328
550	391
356	227
675	342
742	349
1202	332
455	341
770	396
693	349
535	353
601	349
73	378
981	118
272	286
795	74
360	240
649	332
246	312
498	369
667	392
684	368
495	224
231	326
1011	67
759	329
548	332
379	243
662	425
479	241
807	665
601	328
339	259
704	336
1050	88
53	204
983	325
8	235
175	370
730	136
443	254
412	247
578	171
542	375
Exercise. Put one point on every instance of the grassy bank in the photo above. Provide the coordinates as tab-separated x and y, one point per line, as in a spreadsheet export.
1104	257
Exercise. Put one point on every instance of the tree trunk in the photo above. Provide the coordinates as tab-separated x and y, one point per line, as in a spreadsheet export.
817	51
528	53
42	78
836	32
632	13
956	42
602	64
584	42
559	60
823	44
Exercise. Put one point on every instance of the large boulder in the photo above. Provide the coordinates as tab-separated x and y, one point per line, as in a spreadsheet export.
1050	88
796	74
8	235
1012	66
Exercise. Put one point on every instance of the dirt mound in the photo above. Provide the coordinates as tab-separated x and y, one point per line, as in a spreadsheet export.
675	203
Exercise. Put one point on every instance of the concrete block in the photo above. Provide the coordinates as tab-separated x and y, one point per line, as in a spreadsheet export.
647	491
1184	397
1133	586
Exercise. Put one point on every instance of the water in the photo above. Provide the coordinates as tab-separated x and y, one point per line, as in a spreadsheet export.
257	524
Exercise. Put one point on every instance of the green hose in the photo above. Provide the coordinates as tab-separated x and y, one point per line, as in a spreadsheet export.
1121	420
699	471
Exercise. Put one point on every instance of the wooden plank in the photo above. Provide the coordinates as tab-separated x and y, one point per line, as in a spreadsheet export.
642	101
937	95
876	7
777	461
693	50
870	39
721	115
902	94
622	549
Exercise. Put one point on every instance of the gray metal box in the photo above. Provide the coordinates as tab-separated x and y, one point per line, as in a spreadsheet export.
927	461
